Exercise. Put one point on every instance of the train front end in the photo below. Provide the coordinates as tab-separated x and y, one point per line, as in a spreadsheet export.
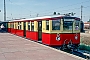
70	32
63	32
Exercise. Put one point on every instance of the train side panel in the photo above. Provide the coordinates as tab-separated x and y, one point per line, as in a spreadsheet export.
46	38
50	39
32	35
19	29
9	30
13	30
31	30
20	33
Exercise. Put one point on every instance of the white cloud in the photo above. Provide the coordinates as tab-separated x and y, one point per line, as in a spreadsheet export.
19	3
16	3
40	4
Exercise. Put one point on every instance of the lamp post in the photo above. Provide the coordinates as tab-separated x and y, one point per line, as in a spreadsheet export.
4	11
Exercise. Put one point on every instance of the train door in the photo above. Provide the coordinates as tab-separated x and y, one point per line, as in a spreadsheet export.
24	29
39	30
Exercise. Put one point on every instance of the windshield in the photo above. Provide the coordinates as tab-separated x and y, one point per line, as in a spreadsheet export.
68	24
77	27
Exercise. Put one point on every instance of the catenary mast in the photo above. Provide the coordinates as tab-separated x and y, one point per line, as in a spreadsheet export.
4	11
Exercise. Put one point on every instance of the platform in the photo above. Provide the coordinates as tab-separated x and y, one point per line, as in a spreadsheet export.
13	47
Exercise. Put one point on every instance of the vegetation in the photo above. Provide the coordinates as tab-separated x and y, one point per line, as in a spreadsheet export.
84	47
85	41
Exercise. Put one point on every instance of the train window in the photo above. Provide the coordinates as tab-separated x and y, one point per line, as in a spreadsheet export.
67	24
28	25
10	25
20	26
77	25
55	24
32	26
40	25
47	24
13	25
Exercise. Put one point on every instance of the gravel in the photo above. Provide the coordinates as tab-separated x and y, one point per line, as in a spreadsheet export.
85	37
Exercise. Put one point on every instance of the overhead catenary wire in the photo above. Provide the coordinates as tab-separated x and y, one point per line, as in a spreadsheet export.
62	7
69	5
56	8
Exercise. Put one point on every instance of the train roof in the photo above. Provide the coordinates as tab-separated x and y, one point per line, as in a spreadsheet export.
44	18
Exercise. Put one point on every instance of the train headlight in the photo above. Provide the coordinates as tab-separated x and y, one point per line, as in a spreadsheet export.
58	37
76	37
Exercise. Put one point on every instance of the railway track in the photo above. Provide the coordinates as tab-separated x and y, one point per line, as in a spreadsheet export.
81	53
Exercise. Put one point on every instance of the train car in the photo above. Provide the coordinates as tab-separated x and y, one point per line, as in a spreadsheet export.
63	31
16	27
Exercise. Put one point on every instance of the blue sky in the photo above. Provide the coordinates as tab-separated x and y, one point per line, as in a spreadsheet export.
30	8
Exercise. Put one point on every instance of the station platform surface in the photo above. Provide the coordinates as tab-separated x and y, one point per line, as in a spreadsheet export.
13	47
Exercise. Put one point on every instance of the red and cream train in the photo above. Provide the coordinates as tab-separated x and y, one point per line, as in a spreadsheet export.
50	30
